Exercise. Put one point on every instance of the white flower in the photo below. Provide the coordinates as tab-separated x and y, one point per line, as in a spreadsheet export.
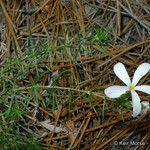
117	91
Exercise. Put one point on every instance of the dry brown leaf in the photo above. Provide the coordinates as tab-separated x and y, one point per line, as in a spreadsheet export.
46	124
72	130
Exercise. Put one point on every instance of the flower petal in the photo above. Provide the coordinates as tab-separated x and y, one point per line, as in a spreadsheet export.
145	107
145	104
121	73
115	91
136	104
141	71
143	88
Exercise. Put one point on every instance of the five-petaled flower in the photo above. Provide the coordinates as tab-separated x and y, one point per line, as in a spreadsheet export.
117	91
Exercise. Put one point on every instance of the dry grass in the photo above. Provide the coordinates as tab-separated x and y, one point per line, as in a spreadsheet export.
75	79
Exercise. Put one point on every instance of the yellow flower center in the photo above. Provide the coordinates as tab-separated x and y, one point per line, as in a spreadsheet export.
131	87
